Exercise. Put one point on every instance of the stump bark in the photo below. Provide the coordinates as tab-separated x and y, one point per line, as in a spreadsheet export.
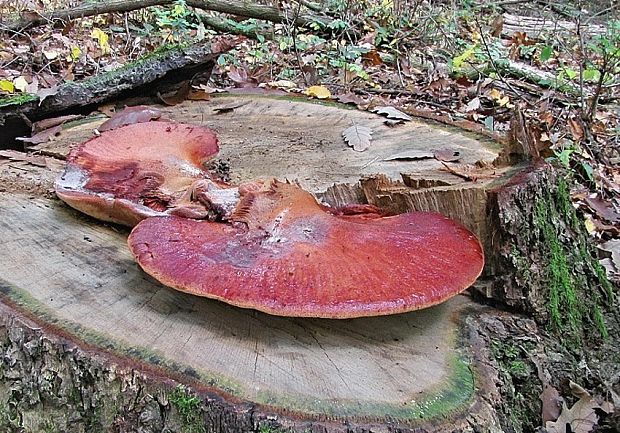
85	332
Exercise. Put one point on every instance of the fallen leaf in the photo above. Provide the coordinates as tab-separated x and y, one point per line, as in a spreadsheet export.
102	38
319	92
282	84
447	154
603	209
358	137
576	129
46	93
473	105
129	116
611	250
581	417
43	136
7	86
50	54
240	77
350	98
20	83
44	124
179	96
410	155
392	122
372	58
551	403
392	113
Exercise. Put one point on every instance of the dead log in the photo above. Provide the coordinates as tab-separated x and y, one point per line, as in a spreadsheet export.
104	328
537	27
242	9
158	72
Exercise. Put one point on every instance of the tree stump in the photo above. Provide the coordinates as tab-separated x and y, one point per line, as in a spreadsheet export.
91	343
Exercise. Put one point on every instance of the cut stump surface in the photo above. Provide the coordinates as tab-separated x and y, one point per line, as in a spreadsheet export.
76	273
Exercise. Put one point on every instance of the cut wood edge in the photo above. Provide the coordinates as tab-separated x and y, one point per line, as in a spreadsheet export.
148	378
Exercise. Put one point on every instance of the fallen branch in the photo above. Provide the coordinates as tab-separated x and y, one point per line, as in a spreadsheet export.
242	9
156	73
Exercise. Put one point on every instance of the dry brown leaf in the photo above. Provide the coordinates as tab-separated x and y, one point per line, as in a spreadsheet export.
497	26
43	136
241	78
129	116
551	403
603	209
447	154
44	124
372	58
358	137
350	98
582	417
392	113
576	129
179	96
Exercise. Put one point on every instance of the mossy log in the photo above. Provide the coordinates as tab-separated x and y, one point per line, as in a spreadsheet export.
157	72
86	333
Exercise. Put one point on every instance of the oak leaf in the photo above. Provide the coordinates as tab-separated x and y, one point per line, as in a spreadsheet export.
358	137
392	113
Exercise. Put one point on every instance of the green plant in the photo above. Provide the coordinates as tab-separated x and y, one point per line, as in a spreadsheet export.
175	21
189	408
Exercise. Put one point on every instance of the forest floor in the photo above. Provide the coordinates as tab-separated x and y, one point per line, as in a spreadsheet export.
543	73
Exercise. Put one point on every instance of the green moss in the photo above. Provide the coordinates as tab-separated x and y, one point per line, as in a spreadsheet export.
573	276
448	398
189	408
518	379
22	98
95	80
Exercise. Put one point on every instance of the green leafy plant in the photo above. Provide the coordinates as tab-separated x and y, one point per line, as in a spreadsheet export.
175	21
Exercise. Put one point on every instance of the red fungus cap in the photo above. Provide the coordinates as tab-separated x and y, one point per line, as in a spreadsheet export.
137	171
285	255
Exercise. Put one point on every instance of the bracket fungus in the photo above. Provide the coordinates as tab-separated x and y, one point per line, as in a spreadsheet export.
142	170
285	254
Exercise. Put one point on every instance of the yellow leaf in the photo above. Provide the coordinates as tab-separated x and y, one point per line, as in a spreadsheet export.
320	92
459	60
20	83
7	86
75	53
102	38
495	94
590	227
504	100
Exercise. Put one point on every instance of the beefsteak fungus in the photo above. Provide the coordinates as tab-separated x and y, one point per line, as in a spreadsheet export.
287	255
140	170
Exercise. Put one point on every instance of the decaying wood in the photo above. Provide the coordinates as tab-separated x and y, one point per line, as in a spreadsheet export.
74	278
535	27
154	72
242	9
